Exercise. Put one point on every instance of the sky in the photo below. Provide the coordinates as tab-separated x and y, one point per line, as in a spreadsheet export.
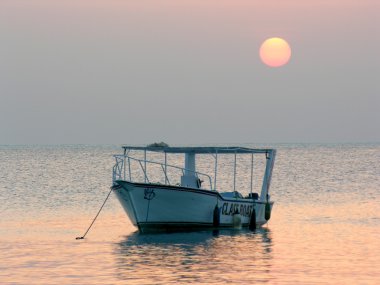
188	72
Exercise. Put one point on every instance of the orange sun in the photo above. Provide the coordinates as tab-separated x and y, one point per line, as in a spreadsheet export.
275	52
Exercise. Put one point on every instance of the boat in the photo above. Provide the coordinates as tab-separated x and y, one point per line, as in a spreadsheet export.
158	196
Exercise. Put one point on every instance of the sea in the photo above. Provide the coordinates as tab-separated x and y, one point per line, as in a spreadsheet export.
324	227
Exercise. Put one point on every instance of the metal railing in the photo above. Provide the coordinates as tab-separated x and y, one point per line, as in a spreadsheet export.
122	170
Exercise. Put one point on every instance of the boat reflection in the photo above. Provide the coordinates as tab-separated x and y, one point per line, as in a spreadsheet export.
200	257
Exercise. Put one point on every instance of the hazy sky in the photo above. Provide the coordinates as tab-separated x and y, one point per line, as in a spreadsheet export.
188	72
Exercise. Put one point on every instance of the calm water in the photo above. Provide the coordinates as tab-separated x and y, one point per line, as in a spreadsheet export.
325	226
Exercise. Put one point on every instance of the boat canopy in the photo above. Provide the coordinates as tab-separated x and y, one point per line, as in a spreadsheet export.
190	176
200	149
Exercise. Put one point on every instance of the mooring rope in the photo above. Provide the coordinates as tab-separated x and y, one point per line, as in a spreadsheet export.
93	221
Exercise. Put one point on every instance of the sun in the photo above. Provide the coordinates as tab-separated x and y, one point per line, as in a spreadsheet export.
275	52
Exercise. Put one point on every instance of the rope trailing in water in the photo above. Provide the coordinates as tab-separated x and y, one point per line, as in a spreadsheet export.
93	221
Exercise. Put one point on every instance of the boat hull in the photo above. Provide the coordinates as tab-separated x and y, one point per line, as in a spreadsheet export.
155	207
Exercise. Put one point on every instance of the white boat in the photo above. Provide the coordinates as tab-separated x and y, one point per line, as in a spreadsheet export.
185	202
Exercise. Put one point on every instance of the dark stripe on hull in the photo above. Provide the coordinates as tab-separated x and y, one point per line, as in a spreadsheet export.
147	227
